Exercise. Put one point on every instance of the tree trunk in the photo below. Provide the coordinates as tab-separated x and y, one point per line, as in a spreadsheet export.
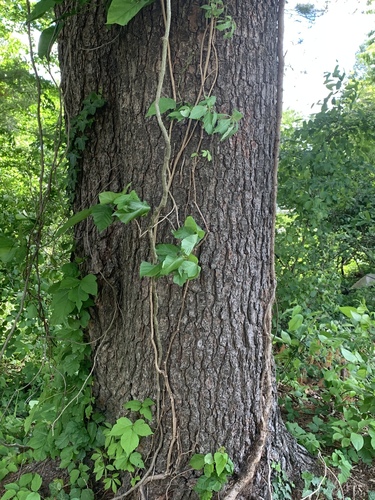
202	352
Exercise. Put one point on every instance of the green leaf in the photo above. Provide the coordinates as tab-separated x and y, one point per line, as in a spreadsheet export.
150	270
87	494
162	250
89	284
33	496
107	197
231	131
8	249
209	122
188	243
78	217
198	112
78	296
148	402
132	210
236	115
191	269
122	11
47	39
146	412
208	469
295	322
349	356
25	479
136	459
129	441
41	8
121	425
36	483
357	440
286	337
10	493
220	462
197	461
165	104
348	311
134	405
141	428
61	306
222	126
102	215
170	264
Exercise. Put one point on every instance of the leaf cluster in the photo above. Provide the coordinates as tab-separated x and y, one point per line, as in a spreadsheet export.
216	469
177	260
204	112
121	442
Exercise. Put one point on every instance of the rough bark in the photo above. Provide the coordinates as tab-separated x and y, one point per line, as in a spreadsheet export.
215	332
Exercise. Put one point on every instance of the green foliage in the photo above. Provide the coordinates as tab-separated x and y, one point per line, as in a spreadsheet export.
204	112
216	469
78	128
281	486
121	442
122	206
177	260
335	360
216	10
26	487
122	11
325	230
322	486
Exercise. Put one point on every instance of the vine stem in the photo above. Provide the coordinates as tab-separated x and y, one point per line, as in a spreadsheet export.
167	141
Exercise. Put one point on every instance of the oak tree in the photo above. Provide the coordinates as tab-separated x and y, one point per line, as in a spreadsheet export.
201	351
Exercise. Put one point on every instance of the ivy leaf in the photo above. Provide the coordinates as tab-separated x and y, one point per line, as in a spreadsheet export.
89	284
134	405
122	11
41	8
47	39
61	307
150	270
170	264
78	217
78	296
7	249
220	462
121	425
136	459
102	215
188	243
198	112
197	461
129	440
165	104
141	428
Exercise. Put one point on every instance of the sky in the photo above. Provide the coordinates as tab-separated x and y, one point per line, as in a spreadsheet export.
312	49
